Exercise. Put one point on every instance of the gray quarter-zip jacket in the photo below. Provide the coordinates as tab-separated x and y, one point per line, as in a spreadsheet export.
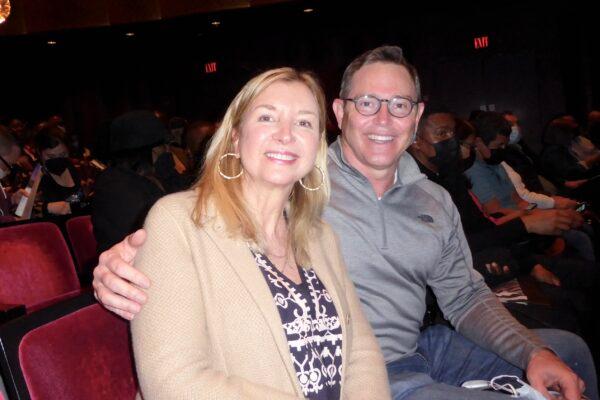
410	238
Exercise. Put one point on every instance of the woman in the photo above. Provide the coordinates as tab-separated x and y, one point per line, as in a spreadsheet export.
250	298
60	185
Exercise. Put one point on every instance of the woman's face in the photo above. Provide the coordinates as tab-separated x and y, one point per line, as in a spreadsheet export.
279	136
59	151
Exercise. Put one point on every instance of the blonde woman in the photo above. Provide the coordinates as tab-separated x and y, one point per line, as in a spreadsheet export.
250	297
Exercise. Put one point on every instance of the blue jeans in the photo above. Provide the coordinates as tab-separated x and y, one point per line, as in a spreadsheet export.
445	359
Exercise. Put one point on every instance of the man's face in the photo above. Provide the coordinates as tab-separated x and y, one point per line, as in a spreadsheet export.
438	128
486	151
373	144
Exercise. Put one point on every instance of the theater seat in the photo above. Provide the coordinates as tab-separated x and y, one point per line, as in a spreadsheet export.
72	350
83	243
36	267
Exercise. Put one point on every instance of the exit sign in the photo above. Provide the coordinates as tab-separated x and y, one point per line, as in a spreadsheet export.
210	67
481	42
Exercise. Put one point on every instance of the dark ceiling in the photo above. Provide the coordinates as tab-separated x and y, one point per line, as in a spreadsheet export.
37	16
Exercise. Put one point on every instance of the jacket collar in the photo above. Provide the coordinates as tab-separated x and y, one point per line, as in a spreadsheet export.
407	171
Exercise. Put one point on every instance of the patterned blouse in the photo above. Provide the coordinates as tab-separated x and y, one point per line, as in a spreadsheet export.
312	327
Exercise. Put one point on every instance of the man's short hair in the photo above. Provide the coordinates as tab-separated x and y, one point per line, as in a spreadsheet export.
383	54
490	124
7	141
431	109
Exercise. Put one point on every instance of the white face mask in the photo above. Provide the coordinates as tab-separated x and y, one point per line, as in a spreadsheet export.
515	135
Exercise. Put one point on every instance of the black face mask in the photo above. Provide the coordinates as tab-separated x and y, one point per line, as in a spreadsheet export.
468	162
446	153
496	157
57	166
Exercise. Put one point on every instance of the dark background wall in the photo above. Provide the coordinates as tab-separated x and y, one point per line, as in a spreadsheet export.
541	60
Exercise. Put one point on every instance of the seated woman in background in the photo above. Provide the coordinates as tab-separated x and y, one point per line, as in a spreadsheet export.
60	186
250	297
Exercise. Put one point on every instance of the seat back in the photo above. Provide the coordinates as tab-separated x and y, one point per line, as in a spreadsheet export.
35	264
83	242
70	351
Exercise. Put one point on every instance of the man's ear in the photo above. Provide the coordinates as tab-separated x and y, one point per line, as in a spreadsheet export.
416	144
338	110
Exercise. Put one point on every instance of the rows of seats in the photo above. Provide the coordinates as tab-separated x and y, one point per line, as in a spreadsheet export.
56	342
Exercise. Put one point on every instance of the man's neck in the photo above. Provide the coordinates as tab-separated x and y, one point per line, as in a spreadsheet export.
424	161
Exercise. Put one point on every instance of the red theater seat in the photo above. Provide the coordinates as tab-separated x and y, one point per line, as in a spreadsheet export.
83	243
71	350
36	267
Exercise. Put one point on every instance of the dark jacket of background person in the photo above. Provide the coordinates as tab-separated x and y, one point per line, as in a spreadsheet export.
121	202
556	158
126	191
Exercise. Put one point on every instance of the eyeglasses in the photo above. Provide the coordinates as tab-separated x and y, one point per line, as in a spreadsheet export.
398	106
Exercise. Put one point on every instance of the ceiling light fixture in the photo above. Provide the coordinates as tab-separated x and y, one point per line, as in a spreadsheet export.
4	10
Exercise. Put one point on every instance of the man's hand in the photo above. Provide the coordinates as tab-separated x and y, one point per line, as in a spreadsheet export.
541	274
545	370
495	269
564	203
551	222
116	282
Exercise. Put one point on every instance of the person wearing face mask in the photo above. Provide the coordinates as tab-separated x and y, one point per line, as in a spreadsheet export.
500	198
492	246
491	182
439	132
521	157
60	186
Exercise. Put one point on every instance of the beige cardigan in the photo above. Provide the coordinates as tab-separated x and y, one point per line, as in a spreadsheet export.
210	328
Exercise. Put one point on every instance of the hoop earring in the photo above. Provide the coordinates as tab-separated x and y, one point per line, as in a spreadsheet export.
314	188
228	177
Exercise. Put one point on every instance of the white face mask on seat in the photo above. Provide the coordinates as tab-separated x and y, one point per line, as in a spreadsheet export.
515	135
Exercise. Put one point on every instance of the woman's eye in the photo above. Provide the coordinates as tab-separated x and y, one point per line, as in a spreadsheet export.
265	118
305	124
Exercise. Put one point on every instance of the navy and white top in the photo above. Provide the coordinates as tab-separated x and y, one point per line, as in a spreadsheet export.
312	327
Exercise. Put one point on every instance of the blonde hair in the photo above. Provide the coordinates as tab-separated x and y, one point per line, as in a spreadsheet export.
305	207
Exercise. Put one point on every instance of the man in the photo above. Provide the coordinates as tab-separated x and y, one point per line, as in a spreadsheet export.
498	250
436	151
399	233
500	189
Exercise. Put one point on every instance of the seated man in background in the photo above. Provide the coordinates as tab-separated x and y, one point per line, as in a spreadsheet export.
496	192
